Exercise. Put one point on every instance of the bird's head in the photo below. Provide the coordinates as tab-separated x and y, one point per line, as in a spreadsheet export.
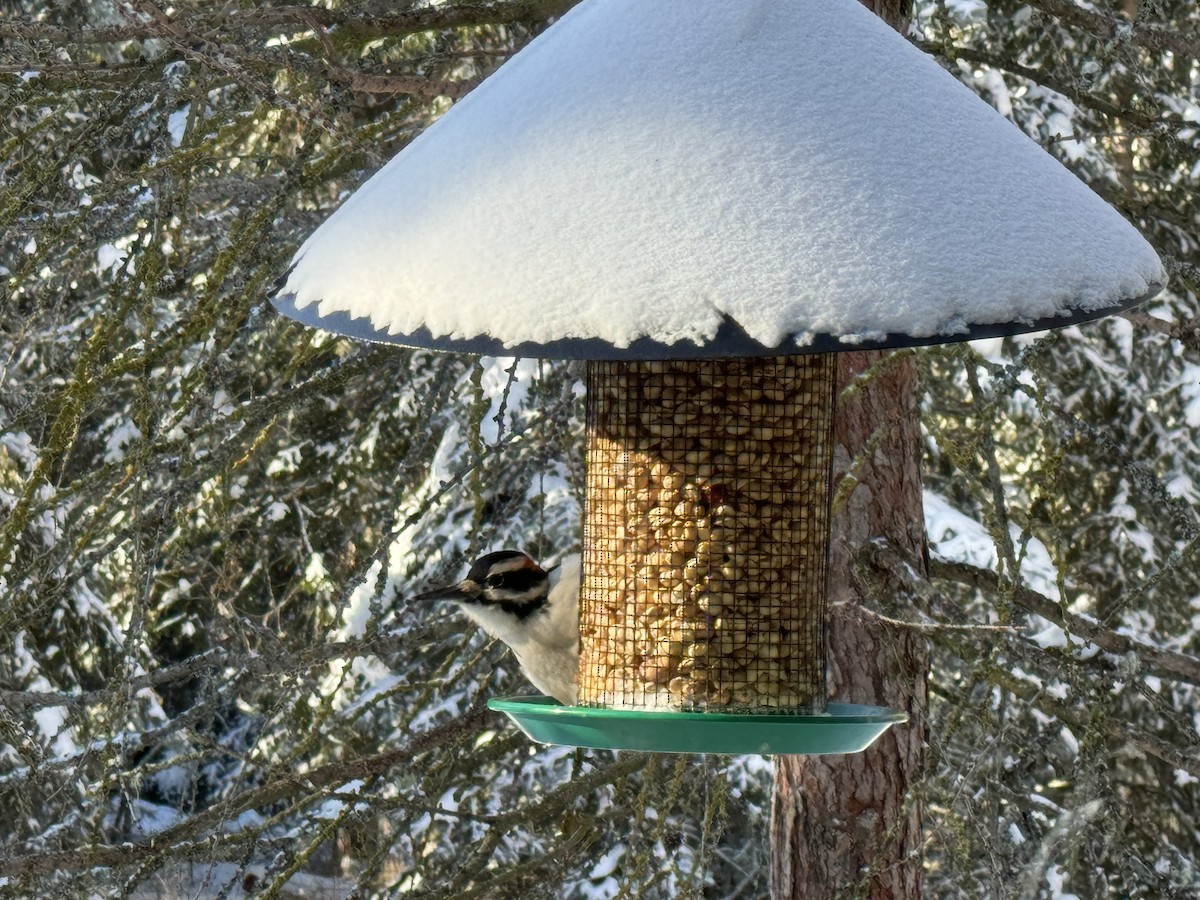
507	580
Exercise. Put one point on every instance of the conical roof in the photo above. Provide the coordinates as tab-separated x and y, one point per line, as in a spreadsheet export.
655	178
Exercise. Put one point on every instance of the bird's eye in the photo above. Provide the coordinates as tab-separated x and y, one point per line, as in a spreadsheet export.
495	580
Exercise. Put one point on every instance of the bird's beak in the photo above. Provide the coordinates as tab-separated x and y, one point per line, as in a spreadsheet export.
463	590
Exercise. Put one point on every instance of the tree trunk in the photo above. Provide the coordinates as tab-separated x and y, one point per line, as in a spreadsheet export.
847	825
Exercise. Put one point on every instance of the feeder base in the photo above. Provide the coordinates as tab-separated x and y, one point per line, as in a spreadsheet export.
842	728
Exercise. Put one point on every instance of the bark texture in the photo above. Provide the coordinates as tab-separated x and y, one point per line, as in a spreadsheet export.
848	825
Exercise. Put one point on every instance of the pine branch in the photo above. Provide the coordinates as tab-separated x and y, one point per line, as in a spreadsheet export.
219	24
274	791
1137	118
1164	663
1185	759
1108	26
263	665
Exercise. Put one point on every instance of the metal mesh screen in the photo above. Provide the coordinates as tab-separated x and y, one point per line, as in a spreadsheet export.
706	534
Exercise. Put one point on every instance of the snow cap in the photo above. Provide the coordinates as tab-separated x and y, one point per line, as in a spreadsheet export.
654	178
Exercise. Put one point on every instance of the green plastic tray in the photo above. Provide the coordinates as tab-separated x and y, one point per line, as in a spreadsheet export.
843	728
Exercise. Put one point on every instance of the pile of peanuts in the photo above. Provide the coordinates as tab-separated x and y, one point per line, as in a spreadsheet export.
706	528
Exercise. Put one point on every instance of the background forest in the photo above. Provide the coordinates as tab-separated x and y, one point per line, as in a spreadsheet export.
210	684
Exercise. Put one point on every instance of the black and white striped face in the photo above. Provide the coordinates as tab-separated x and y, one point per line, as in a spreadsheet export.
507	579
508	575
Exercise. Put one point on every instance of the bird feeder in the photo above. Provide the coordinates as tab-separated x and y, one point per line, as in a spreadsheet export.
707	201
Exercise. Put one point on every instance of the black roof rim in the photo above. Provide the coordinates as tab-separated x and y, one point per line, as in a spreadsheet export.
731	340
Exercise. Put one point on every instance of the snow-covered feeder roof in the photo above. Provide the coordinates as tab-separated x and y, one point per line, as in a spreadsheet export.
653	178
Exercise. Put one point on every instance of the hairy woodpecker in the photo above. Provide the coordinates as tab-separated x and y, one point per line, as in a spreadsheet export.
516	601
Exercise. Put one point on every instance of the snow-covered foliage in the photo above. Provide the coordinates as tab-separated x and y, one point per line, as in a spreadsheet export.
210	684
1066	465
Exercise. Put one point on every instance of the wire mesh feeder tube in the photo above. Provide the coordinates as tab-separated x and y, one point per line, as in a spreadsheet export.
706	532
